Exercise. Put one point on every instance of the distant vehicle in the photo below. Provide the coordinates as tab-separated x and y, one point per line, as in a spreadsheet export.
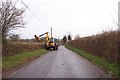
50	42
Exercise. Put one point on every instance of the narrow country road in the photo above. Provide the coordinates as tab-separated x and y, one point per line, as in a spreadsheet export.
61	63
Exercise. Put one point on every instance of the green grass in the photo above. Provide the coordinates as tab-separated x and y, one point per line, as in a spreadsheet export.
110	68
13	62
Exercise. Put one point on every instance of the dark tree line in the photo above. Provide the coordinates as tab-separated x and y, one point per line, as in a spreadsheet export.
65	38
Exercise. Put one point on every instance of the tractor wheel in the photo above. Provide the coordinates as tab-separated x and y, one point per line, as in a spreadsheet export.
57	48
54	48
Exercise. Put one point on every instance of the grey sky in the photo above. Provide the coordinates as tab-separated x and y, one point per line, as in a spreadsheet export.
83	17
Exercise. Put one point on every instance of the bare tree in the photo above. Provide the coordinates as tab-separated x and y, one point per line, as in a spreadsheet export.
64	39
15	37
77	36
69	37
10	17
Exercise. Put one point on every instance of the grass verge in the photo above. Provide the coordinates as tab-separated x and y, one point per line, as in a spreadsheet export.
13	62
110	68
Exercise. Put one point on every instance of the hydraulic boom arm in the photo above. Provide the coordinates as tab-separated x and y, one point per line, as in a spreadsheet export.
38	38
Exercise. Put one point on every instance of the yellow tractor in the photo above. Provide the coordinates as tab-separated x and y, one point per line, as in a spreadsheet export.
49	41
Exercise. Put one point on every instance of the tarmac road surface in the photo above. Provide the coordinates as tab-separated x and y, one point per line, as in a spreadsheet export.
62	63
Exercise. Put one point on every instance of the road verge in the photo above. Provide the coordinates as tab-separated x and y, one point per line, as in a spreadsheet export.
109	68
15	62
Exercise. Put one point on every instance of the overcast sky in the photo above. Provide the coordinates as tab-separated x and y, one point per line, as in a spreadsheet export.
83	17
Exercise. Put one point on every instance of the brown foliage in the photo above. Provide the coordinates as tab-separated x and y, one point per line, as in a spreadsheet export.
104	45
19	47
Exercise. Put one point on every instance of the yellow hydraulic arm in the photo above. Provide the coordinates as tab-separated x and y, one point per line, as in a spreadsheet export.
46	38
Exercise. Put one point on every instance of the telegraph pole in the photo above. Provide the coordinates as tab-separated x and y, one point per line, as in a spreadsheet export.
51	31
119	19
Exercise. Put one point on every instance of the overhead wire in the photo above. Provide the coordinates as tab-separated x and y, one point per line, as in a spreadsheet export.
34	14
115	23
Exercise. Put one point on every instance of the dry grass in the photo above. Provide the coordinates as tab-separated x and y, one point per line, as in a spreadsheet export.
104	45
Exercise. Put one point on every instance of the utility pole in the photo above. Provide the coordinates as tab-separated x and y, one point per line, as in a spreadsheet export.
51	31
119	15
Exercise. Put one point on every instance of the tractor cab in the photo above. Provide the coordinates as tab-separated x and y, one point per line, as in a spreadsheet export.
52	40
